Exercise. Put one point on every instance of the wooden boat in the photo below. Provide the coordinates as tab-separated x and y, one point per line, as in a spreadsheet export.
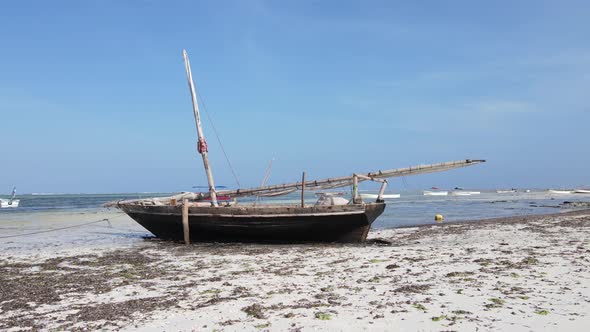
435	193
375	196
332	223
10	203
192	217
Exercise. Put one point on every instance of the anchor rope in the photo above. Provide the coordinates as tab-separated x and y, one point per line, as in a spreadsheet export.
62	228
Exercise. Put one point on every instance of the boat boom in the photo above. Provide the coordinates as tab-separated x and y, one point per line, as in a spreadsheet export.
283	189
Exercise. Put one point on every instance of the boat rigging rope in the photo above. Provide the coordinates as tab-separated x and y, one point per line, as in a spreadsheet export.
405	182
233	172
62	228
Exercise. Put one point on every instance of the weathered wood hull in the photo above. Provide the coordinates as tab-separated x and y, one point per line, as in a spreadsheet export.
346	223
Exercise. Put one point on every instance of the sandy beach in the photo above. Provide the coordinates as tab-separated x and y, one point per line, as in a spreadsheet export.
521	274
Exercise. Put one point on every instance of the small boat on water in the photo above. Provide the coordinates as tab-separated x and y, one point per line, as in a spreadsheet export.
464	193
506	191
582	191
460	191
375	196
435	193
201	217
10	203
560	192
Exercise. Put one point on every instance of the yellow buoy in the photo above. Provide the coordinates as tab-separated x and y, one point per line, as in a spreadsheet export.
439	218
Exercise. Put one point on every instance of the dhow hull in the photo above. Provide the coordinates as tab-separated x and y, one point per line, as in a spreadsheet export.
346	223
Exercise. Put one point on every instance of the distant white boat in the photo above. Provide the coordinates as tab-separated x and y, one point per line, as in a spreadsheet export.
560	192
464	193
506	191
6	203
582	191
10	203
384	196
435	193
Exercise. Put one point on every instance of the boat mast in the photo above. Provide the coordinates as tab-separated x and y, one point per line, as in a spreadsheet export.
13	196
201	144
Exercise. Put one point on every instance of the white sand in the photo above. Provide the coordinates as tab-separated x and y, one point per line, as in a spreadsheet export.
518	275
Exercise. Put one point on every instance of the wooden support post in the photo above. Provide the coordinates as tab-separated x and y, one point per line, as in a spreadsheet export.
381	191
185	229
303	190
355	188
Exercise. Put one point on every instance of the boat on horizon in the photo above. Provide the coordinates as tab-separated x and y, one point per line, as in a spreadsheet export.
506	191
10	203
582	191
434	193
331	219
464	193
375	196
560	192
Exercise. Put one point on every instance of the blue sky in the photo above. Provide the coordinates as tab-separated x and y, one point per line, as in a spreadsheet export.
93	94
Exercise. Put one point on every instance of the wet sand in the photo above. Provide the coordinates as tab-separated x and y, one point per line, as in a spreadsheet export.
520	273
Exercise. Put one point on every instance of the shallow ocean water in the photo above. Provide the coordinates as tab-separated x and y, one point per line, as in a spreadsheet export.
412	208
48	218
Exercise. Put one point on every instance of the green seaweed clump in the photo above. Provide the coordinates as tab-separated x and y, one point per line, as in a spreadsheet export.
322	316
419	307
496	303
262	326
254	310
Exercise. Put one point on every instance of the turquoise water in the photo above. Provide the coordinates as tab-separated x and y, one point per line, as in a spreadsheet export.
44	224
52	202
411	209
417	209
